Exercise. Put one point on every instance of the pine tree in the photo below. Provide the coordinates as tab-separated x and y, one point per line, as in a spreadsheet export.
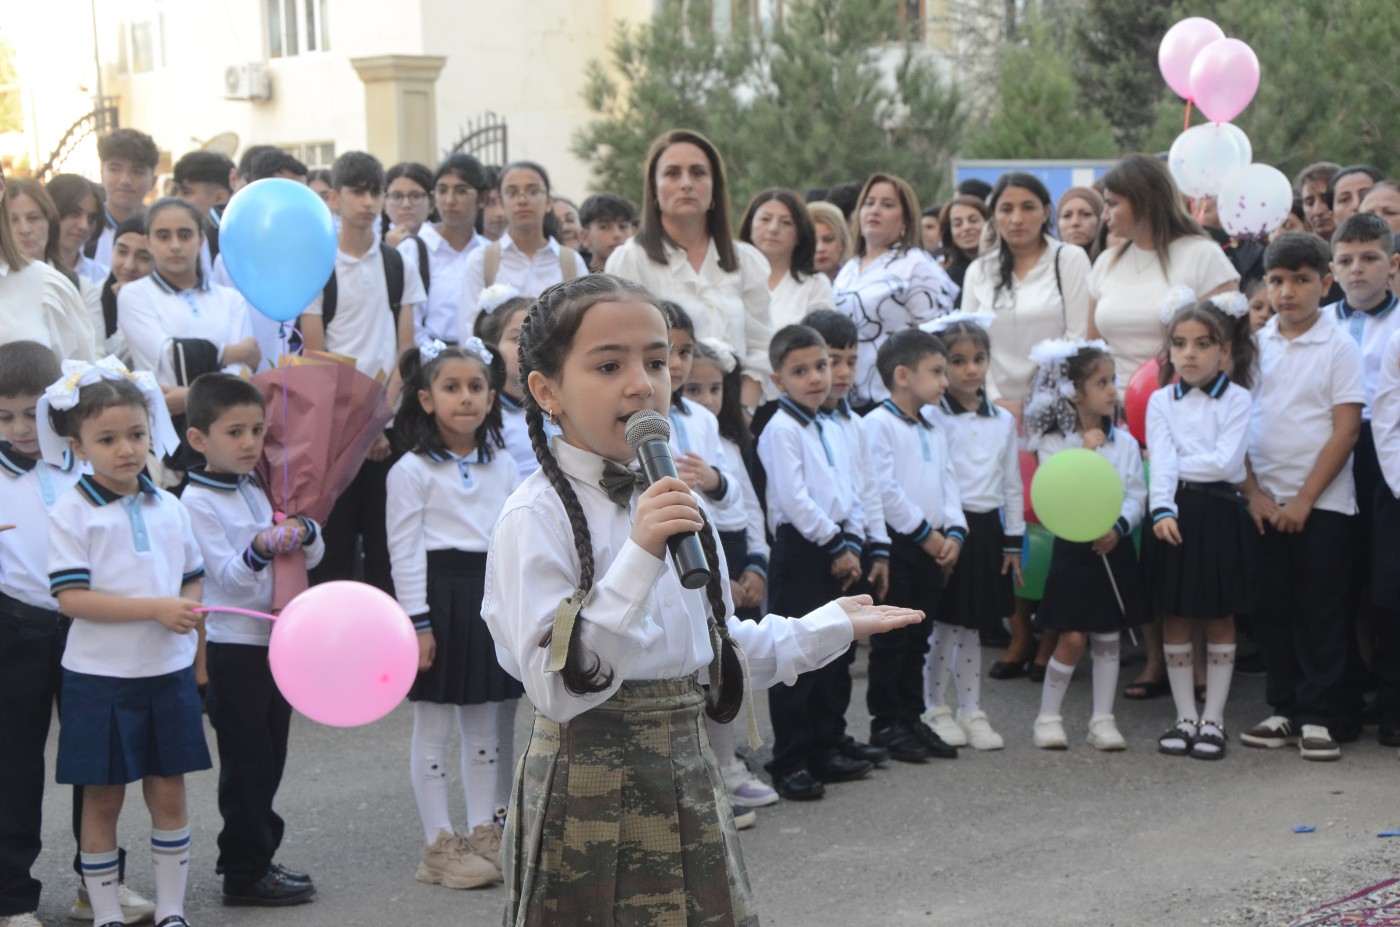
1115	47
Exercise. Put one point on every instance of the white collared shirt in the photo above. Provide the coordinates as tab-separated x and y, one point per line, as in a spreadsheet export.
1122	450
1036	307
432	506
447	268
226	513
530	275
1199	435
1385	419
37	303
640	623
986	461
851	428
913	465
695	430
150	312
730	306
808	487
1371	331
139	546
900	289
747	516
790	302
363	326
29	489
93	270
1300	382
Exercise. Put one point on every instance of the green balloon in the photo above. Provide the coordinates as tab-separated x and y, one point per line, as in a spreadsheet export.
1035	562
1077	494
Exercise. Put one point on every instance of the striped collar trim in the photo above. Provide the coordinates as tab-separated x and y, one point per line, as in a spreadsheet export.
889	406
201	476
100	495
202	283
1214	389
1345	311
18	464
482	455
796	411
953	407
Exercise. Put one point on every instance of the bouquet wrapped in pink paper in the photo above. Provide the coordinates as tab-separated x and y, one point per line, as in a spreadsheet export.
323	416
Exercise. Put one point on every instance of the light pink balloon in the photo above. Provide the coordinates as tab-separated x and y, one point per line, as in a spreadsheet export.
1224	78
1179	48
343	653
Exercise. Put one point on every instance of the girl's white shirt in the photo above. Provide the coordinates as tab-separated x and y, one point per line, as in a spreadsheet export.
639	622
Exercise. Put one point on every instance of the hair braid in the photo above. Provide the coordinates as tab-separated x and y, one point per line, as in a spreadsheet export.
725	699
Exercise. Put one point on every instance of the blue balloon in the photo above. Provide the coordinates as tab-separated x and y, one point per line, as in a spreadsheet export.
278	242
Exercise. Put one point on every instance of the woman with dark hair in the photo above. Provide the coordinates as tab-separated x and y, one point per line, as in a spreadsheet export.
37	302
778	224
892	283
441	247
408	201
962	220
79	211
34	220
685	252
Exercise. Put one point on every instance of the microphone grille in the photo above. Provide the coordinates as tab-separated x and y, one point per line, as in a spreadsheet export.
645	426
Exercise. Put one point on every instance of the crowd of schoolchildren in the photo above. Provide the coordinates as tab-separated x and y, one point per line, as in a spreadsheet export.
830	458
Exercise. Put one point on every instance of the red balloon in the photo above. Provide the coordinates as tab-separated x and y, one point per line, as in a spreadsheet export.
1140	389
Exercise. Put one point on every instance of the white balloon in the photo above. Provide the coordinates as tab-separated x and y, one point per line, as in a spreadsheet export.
1254	201
1202	157
1246	149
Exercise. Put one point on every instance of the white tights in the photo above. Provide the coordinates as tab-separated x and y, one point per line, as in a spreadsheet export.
432	735
954	655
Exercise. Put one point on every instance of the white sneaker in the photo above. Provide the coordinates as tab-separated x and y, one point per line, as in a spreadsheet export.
980	735
1104	735
745	789
1049	733
21	920
135	909
1317	744
940	718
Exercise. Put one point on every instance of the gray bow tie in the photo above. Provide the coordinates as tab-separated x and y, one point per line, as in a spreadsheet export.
620	483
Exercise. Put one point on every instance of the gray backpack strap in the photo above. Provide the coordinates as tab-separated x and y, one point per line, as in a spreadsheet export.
491	264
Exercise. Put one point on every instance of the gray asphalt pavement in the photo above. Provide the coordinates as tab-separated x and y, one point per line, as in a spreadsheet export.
1019	836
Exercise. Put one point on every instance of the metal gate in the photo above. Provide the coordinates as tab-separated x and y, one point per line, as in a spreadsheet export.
485	138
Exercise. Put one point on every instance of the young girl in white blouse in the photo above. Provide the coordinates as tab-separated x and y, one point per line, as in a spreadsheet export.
1092	590
1197	557
986	462
502	311
619	811
443	500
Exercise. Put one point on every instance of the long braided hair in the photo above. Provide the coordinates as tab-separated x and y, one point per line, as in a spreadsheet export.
546	336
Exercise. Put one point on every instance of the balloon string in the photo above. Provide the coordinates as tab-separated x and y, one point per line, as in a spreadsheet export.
286	425
237	611
1188	116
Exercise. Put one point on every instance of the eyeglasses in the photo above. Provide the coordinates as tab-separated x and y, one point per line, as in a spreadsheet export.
528	193
415	197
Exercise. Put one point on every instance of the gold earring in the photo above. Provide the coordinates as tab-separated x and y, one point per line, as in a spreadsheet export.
553	417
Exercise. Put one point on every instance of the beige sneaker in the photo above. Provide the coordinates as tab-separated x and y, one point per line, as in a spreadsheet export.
485	841
980	735
447	862
21	920
940	718
1104	735
1049	733
135	909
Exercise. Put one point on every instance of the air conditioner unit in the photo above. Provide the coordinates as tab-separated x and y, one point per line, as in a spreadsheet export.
247	82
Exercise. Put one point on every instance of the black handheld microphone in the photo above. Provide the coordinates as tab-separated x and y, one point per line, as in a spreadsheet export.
649	434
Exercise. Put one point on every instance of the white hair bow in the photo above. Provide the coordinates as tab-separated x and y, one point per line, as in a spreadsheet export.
724	354
478	347
65	392
942	323
493	296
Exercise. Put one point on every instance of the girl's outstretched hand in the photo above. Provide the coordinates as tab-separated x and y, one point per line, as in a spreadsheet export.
666	508
868	619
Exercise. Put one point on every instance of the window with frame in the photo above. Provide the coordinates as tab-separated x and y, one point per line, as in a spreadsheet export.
296	27
315	155
141	39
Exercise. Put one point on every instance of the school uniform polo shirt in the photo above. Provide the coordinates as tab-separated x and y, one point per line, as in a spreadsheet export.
29	488
447	268
363	326
1387	414
918	485
139	546
1299	383
806	487
1371	330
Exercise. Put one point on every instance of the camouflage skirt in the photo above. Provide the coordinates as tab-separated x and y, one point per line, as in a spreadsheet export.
621	816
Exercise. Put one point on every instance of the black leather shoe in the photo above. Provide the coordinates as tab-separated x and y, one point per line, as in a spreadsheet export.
1004	670
937	747
273	890
858	751
901	744
833	766
1388	736
291	875
799	786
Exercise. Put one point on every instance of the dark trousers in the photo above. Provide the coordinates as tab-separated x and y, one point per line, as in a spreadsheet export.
1302	618
359	514
251	720
1385	592
1366	474
800	580
895	690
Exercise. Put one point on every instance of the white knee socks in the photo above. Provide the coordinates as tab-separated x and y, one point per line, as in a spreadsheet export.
480	757
1104	653
1052	694
721	741
432	728
100	879
967	670
1182	677
170	858
1220	668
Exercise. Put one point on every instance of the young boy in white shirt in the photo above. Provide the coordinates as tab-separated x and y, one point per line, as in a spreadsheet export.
1385	561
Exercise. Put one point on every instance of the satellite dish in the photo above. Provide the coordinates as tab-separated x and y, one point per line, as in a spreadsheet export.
225	143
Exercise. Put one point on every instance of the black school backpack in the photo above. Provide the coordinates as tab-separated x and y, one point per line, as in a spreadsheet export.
393	278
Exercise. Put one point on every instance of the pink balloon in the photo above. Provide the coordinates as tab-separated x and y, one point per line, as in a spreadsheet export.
1224	79
343	653
1179	48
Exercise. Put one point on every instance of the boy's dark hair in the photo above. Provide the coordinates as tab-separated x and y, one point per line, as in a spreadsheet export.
1375	175
249	155
27	368
93	400
676	317
974	186
791	338
466	169
204	167
129	145
1365	226
845	197
416	429
357	170
1297	250
273	162
213	394
606	207
905	349
836	328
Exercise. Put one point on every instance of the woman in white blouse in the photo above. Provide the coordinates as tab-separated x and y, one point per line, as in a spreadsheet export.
685	252
1033	286
891	284
778	225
